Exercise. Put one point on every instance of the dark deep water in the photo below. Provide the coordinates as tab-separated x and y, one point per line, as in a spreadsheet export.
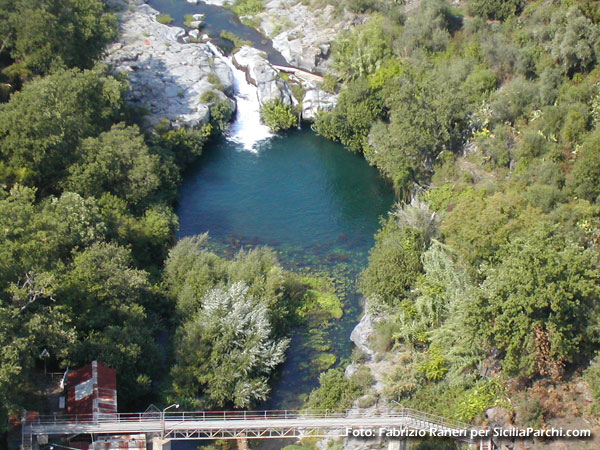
317	204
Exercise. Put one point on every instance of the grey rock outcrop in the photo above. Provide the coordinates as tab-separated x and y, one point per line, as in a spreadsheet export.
303	35
316	100
167	77
361	334
271	86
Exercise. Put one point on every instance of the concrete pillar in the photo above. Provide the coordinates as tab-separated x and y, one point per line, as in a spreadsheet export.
160	444
397	444
242	443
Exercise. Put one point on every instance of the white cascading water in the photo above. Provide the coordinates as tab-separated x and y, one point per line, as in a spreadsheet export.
246	129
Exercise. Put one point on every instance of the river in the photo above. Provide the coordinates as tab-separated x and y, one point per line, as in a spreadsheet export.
317	204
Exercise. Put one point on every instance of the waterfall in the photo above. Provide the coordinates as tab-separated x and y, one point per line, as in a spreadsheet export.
246	129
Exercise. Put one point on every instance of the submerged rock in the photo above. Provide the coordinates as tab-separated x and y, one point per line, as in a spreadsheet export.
168	77
271	86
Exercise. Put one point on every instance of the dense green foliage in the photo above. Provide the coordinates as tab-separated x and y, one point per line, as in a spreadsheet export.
42	126
86	208
487	270
278	116
232	318
49	34
247	7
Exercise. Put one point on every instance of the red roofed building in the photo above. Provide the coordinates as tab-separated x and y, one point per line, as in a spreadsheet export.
92	390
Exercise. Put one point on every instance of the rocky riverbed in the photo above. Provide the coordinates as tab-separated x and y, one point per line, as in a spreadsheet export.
168	77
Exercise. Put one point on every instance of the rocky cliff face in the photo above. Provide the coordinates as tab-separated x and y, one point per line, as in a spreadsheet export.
315	100
271	86
302	35
168	77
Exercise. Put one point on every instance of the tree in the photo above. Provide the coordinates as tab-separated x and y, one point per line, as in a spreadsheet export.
542	296
119	162
335	391
42	125
576	43
394	264
227	351
427	116
50	34
360	52
112	302
428	30
585	180
495	9
40	237
357	108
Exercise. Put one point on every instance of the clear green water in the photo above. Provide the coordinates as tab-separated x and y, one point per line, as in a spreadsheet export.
317	204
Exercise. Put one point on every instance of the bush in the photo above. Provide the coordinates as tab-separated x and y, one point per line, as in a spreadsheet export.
335	391
165	19
592	376
394	264
221	114
575	125
278	116
247	7
494	9
329	83
533	145
237	41
587	167
209	97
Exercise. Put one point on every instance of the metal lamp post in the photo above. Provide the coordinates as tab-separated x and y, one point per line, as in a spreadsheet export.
174	405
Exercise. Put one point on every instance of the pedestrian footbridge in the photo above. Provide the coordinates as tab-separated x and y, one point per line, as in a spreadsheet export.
163	427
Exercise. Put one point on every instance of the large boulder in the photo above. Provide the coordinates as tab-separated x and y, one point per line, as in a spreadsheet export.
316	100
361	334
303	35
270	85
167	77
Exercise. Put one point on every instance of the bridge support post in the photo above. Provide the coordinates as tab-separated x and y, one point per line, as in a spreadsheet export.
160	444
397	444
242	443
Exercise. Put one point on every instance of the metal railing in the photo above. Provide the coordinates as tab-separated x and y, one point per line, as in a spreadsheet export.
175	421
245	415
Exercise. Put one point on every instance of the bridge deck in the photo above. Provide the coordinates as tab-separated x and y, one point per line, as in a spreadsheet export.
249	424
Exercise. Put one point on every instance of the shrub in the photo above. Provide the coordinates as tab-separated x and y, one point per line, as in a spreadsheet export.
434	367
335	391
587	167
221	114
209	97
214	80
592	376
278	116
247	7
394	264
165	19
494	9
533	145
237	41
575	125
329	83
